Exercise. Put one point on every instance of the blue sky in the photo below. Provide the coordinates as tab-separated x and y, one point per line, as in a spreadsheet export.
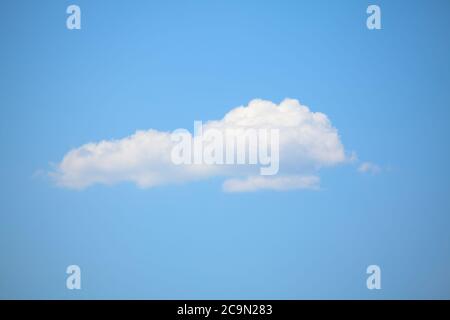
164	64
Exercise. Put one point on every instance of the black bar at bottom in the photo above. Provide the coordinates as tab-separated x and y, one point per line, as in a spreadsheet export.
227	309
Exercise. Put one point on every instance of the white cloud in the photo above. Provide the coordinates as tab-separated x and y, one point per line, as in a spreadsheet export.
308	142
369	167
255	183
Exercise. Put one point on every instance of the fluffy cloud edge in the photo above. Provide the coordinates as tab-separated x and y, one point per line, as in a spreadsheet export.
259	183
369	168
